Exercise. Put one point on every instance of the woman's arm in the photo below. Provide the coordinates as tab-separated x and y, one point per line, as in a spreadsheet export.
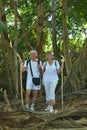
62	65
61	68
43	67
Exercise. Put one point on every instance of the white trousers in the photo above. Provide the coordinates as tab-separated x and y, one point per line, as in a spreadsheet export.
50	90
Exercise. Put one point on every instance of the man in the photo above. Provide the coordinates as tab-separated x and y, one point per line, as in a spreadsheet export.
29	83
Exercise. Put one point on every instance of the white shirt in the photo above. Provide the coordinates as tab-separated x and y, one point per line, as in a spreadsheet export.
50	73
34	67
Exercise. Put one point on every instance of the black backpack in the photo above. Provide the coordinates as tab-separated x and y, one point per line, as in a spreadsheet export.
24	75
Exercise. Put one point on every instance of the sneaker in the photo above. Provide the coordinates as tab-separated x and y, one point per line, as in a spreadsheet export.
47	109
32	108
26	108
51	109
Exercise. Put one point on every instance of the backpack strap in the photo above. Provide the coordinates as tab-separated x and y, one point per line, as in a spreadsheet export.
38	62
27	63
31	67
46	64
56	64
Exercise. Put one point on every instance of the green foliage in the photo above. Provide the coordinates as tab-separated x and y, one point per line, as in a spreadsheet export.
77	17
79	8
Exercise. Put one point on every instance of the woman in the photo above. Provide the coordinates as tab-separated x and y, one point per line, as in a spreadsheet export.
51	68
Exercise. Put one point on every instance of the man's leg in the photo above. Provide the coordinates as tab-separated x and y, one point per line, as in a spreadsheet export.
27	98
35	92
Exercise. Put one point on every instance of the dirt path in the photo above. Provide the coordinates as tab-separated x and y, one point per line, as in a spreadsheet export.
73	116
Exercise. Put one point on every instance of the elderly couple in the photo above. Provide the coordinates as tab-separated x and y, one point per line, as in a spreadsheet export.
50	71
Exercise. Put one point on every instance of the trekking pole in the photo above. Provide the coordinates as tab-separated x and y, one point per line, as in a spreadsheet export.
62	60
22	101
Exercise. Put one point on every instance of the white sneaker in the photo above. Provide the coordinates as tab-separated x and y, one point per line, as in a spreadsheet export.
47	109
32	108
51	109
26	108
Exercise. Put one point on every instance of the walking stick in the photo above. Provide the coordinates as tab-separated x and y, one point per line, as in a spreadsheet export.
22	101
62	60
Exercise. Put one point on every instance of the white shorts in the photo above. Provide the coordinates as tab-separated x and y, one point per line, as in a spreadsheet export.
31	86
50	90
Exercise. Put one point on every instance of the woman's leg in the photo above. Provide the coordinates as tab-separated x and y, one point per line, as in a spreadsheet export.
47	87
52	95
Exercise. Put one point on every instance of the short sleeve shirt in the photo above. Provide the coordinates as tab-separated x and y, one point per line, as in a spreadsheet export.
34	67
50	73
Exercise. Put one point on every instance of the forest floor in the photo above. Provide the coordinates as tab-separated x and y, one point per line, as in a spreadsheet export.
72	117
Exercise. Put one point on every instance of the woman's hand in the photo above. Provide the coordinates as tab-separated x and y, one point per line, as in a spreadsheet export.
39	67
62	65
60	69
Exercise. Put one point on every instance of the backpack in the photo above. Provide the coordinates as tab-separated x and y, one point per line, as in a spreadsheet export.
24	75
46	64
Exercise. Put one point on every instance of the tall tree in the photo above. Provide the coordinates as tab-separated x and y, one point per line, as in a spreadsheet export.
9	56
74	81
54	31
24	35
40	16
79	69
65	37
15	49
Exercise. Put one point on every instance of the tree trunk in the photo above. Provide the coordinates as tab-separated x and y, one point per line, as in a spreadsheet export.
15	51
65	37
54	31
8	54
79	69
24	33
74	81
40	13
